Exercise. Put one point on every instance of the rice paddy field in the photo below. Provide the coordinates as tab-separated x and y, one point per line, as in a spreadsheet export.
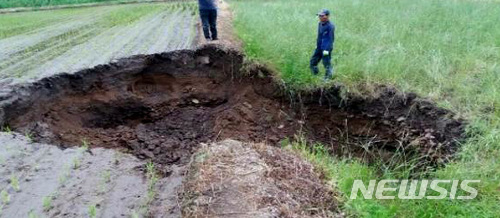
30	3
446	50
37	44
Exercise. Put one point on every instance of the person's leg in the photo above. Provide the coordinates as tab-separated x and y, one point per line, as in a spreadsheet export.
327	62
204	15
213	23
313	63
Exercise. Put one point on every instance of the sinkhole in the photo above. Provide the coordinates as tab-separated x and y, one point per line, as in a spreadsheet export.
162	106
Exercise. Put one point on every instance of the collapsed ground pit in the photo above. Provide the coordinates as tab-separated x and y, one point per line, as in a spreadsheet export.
162	106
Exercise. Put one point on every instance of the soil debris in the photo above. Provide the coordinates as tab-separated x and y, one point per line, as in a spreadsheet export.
235	179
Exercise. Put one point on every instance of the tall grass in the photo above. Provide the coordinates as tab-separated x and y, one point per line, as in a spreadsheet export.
446	50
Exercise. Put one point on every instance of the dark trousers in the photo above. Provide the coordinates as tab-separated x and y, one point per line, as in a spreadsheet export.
209	22
327	62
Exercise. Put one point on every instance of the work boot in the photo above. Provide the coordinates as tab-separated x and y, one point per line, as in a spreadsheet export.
314	70
329	73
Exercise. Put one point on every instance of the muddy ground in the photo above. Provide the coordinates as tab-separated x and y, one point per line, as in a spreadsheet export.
66	183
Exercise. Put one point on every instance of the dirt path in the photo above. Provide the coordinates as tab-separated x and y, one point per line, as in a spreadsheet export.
225	29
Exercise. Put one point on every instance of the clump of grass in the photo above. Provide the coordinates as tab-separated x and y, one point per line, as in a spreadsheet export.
106	176
64	175
32	214
340	173
76	163
5	197
6	129
134	214
151	195
29	136
92	210
14	182
152	179
105	179
47	202
85	144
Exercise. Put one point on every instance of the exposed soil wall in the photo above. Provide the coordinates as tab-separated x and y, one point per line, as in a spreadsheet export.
162	106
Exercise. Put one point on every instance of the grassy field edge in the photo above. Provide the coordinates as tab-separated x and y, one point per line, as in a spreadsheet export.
429	47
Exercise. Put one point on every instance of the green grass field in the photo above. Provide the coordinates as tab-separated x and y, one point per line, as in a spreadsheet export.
445	50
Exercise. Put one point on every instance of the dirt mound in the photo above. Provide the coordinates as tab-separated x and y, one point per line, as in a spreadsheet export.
233	179
162	106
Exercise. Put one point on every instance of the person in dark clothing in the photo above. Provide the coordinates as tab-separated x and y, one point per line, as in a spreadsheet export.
324	45
208	14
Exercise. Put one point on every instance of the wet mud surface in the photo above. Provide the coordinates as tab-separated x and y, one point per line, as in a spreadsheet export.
162	106
54	182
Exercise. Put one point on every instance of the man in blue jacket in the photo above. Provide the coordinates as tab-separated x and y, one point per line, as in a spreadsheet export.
324	45
208	14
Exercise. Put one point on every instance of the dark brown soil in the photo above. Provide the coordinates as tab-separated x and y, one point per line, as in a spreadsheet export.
162	106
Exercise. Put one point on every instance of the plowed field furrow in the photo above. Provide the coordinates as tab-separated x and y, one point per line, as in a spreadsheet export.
45	48
29	62
183	33
144	36
79	56
65	183
19	43
86	38
166	34
84	55
154	32
158	33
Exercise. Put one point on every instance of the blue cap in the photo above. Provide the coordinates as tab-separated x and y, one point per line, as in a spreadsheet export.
323	12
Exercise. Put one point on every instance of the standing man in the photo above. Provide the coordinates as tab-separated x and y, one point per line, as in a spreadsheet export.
208	14
324	44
